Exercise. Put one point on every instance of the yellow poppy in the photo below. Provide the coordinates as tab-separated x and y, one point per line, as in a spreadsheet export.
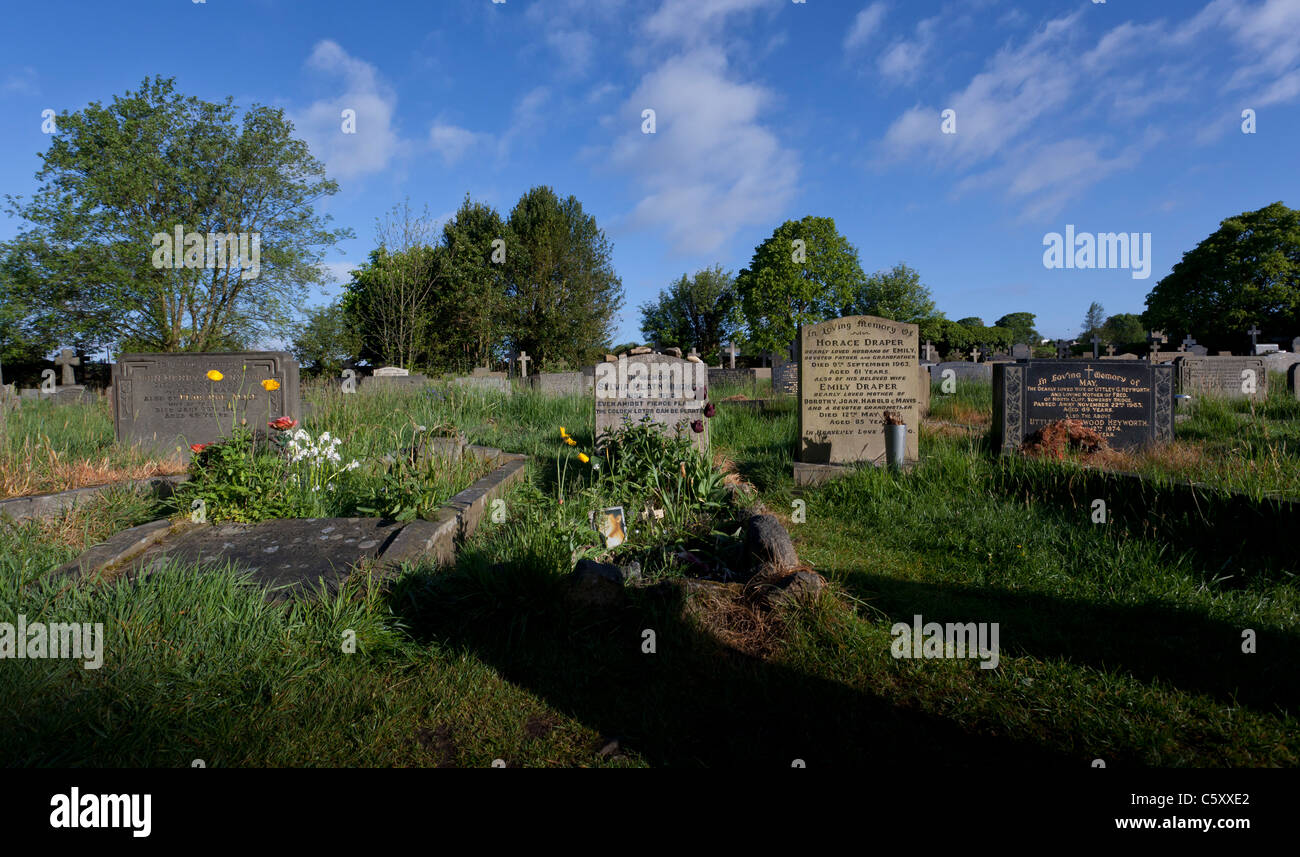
214	375
582	456
570	441
270	385
563	433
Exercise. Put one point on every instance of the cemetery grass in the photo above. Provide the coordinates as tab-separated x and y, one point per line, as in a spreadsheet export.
1116	644
46	447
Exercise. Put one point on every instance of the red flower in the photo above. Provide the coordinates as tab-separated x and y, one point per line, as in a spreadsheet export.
697	426
709	410
283	424
198	447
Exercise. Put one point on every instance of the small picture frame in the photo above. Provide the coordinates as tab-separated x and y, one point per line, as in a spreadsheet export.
611	524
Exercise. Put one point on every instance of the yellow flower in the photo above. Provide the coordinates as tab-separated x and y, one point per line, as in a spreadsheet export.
582	456
570	441
214	375
270	385
563	433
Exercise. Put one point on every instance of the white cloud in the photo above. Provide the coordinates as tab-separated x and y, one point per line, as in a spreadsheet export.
21	82
865	25
712	167
361	89
696	21
452	141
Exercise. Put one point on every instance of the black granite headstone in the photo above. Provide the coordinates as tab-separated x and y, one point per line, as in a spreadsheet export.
1130	404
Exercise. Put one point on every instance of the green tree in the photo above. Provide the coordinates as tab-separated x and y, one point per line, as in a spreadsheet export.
701	311
1124	329
898	294
471	296
561	288
116	176
327	339
973	322
804	273
1021	325
1248	271
1093	320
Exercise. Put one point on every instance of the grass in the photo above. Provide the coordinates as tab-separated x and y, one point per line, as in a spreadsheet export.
1118	641
46	447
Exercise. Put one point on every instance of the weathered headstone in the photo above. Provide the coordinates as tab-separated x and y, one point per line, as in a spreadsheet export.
168	400
669	390
1227	377
560	383
391	372
1131	404
1293	379
736	377
1021	352
961	371
484	381
852	370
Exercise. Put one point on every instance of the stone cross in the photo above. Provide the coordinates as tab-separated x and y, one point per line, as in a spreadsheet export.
523	364
959	356
1062	349
975	354
1156	337
1096	340
1110	351
732	350
693	353
929	349
1188	342
67	359
1254	332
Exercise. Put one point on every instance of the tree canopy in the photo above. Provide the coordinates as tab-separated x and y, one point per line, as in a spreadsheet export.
701	311
804	273
1247	271
88	267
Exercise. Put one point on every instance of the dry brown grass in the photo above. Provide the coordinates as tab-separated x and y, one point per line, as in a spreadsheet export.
37	468
742	616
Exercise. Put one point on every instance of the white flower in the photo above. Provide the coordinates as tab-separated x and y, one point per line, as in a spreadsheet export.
353	464
420	428
301	435
325	437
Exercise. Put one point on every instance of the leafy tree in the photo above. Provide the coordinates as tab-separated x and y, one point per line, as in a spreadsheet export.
392	295
1247	271
471	306
804	273
327	339
972	321
702	311
1093	320
1021	325
1124	329
561	288
88	266
898	294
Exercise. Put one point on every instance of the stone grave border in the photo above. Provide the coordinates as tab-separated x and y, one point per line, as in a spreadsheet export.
435	539
17	509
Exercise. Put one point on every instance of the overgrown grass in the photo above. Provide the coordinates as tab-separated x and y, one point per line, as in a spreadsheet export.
1118	642
46	447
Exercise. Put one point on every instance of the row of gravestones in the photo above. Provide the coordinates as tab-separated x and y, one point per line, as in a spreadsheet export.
853	370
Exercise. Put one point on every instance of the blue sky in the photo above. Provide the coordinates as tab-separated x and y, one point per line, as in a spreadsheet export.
1112	117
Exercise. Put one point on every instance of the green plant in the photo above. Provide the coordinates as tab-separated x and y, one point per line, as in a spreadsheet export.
237	480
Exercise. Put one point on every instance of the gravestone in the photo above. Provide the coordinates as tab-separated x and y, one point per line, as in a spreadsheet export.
1130	404
167	400
669	390
852	370
1226	377
1293	379
560	383
1280	361
1021	352
484	381
736	377
1295	345
391	372
962	370
1266	348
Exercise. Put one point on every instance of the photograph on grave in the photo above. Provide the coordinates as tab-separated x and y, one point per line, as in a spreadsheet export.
852	370
170	400
1129	404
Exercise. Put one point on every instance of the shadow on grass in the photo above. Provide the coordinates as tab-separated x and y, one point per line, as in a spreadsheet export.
694	702
1186	649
